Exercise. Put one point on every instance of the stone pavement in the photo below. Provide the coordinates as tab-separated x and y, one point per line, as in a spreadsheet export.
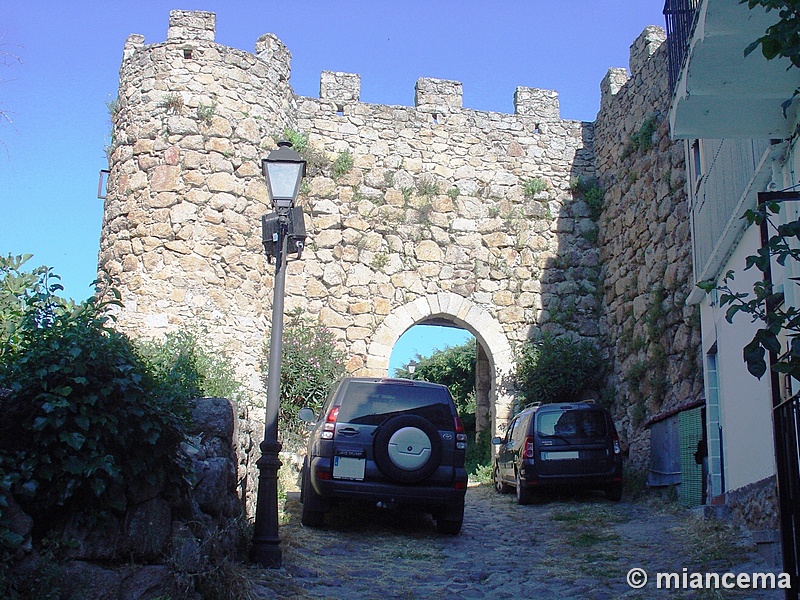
578	547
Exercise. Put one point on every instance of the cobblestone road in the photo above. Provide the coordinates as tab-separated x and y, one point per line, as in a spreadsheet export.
568	547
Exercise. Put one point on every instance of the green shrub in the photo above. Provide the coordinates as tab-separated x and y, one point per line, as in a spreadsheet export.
533	186
592	193
183	369
557	369
643	139
81	422
205	113
478	460
172	103
298	140
427	186
342	165
310	366
316	162
454	367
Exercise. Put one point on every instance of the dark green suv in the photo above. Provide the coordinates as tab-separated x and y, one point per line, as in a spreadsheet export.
556	446
388	442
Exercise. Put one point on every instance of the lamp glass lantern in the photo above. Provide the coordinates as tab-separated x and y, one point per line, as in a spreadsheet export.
412	367
284	170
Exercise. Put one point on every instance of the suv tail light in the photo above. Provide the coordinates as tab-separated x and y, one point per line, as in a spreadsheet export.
330	424
615	441
461	437
527	449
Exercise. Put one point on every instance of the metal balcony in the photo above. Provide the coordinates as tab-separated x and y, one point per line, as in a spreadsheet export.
717	91
680	17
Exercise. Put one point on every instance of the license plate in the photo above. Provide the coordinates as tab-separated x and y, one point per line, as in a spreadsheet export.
348	468
567	455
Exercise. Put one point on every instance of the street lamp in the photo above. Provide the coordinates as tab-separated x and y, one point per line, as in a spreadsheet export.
412	366
283	231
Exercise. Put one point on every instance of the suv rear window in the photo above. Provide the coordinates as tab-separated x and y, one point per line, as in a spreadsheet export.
572	424
371	403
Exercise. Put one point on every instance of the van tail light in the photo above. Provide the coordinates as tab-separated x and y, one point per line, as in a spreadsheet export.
461	437
615	441
527	449
330	424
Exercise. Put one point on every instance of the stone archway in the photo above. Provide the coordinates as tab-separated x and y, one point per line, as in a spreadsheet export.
461	312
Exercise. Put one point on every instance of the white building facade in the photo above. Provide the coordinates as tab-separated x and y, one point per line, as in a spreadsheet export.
740	145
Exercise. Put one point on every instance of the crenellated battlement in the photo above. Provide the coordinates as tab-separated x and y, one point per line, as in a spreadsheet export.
340	87
640	64
193	120
192	25
190	32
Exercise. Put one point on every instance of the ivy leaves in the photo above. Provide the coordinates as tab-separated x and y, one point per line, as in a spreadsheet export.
83	420
781	39
765	304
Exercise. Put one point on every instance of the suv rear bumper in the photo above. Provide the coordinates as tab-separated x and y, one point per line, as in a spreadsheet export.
421	494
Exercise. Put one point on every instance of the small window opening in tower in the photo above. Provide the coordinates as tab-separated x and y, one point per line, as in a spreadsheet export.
536	128
102	184
187	53
340	110
435	118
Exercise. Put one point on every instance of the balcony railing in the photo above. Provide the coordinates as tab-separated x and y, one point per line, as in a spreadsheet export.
679	16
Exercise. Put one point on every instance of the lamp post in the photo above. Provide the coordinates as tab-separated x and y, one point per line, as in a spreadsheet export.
283	231
412	366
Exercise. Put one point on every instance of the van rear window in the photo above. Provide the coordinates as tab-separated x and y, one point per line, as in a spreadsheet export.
368	403
572	424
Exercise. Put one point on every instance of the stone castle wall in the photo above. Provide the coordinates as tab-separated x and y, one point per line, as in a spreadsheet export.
432	221
414	214
644	238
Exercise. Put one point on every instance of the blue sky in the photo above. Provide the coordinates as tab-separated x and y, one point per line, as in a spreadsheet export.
70	52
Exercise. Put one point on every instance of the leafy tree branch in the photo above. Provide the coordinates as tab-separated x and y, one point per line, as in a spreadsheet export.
766	303
781	40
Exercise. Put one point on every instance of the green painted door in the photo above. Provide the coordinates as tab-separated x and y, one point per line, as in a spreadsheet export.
691	432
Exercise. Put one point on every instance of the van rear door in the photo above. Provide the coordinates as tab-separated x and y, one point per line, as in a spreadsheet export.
574	441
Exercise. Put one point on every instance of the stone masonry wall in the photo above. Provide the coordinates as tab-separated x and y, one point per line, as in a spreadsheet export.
160	545
654	337
434	212
434	207
435	203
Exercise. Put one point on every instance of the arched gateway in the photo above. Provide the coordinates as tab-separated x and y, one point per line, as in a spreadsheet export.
452	308
414	214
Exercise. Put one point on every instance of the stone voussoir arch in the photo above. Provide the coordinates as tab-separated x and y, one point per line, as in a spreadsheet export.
463	313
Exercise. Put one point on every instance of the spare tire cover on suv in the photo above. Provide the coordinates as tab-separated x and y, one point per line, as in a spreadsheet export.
407	448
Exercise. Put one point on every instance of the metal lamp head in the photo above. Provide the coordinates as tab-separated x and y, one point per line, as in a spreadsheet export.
284	170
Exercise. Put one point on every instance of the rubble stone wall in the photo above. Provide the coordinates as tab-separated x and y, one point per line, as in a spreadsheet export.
160	546
430	212
645	248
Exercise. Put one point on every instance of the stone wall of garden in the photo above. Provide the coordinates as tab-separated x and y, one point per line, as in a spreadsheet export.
159	546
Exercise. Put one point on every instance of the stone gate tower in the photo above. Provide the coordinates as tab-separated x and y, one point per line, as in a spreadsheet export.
427	214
